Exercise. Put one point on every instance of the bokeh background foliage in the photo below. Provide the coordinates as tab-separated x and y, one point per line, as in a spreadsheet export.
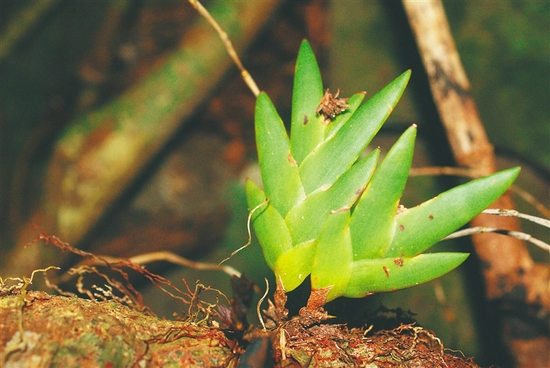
190	197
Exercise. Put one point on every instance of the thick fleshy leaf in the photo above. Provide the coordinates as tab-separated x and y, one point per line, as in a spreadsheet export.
334	156
280	173
389	274
269	226
307	127
306	219
292	267
354	102
332	265
373	219
420	227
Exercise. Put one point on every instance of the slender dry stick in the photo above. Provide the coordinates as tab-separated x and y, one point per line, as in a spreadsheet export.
228	46
508	263
451	92
514	234
166	256
514	213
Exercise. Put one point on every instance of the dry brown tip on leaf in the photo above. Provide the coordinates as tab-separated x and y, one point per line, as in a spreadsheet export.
331	105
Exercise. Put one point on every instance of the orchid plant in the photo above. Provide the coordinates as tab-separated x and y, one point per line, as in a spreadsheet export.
327	211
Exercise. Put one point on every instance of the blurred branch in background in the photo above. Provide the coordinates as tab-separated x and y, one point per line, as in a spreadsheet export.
94	71
101	152
20	25
512	279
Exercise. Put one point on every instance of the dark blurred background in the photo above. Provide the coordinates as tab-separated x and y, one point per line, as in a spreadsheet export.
65	63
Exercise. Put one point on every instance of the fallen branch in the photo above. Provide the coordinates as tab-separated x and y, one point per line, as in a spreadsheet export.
508	266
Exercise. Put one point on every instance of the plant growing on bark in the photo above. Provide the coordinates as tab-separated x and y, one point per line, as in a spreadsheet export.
327	212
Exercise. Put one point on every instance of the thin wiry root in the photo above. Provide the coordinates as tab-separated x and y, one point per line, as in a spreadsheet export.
248	230
258	306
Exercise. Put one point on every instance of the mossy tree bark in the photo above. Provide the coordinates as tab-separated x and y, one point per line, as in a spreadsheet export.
65	331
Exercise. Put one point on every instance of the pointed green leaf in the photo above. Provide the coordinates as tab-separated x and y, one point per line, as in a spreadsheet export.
294	266
280	173
373	220
354	102
307	127
420	227
269	226
389	274
306	219
335	155
333	260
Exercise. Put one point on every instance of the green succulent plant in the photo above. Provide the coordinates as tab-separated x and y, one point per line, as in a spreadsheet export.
334	215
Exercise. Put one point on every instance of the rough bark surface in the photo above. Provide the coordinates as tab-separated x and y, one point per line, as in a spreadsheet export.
65	332
69	331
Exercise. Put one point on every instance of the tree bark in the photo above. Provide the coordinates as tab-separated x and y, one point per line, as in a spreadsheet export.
69	331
